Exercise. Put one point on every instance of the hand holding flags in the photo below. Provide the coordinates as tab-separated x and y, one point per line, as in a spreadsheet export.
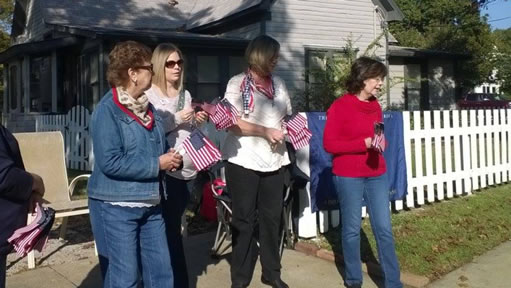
296	127
223	114
378	142
34	235
201	151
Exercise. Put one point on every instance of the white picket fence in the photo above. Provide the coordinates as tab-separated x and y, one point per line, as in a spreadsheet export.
449	154
75	128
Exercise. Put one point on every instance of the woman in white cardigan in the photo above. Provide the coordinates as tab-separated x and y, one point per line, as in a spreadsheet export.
173	103
255	152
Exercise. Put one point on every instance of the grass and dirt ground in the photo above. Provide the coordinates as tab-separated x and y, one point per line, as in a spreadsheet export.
436	239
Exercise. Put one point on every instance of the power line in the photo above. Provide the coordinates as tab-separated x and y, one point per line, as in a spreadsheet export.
499	19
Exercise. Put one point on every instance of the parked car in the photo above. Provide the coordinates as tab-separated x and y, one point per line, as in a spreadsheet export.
483	101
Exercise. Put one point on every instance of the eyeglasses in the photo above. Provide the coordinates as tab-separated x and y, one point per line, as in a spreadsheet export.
147	67
171	63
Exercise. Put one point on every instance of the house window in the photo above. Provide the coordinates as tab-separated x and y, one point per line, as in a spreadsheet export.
208	77
237	64
13	86
40	84
322	70
494	89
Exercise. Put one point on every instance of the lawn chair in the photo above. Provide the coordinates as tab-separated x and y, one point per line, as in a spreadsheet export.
43	154
224	216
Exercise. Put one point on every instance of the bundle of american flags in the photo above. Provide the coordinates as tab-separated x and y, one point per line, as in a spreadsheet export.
296	127
201	150
223	114
34	235
378	141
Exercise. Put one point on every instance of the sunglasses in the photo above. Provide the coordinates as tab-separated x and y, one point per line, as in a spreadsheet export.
171	63
147	67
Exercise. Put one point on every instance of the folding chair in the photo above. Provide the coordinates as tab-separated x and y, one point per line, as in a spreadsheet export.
224	216
43	154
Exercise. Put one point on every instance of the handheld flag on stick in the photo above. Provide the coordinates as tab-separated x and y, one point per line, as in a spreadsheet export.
378	142
201	150
298	133
225	115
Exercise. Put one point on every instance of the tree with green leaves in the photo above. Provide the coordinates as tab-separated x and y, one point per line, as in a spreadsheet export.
502	60
6	12
450	26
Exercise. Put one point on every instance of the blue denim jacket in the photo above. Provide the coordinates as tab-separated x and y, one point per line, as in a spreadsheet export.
126	166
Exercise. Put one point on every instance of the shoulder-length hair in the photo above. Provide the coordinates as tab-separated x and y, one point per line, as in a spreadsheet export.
160	55
362	69
125	55
260	52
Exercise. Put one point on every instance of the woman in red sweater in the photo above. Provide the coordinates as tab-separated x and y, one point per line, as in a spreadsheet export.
359	170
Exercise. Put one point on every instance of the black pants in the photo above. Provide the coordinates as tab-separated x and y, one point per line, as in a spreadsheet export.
3	268
257	199
173	208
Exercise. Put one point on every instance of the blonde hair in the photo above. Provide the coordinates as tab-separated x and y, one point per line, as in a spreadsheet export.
160	55
260	52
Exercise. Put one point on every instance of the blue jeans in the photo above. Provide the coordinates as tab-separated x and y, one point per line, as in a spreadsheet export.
350	192
128	240
178	195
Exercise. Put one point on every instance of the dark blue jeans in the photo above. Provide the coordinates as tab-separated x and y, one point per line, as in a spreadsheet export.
129	239
178	195
350	192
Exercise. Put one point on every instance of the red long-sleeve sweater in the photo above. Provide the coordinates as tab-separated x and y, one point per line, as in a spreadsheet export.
349	122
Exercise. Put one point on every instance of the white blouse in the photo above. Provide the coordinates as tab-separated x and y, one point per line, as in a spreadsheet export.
175	130
253	152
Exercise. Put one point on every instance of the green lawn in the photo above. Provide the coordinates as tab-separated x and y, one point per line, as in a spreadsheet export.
439	238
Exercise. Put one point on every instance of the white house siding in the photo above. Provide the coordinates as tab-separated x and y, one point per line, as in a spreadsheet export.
297	24
397	76
441	84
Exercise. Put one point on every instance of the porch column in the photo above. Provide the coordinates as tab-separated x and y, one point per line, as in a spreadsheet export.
54	91
5	108
26	84
101	71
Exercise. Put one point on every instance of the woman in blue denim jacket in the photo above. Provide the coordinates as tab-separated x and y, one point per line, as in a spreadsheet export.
131	155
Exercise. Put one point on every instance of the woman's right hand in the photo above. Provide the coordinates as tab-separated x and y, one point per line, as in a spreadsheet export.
171	160
368	142
273	135
37	192
185	115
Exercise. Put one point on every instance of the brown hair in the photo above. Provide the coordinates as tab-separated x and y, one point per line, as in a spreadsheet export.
362	69
160	55
125	55
260	52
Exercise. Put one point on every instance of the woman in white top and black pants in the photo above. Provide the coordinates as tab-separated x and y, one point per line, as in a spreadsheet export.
173	104
256	152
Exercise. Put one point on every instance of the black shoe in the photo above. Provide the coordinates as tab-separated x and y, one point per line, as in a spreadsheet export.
355	286
277	283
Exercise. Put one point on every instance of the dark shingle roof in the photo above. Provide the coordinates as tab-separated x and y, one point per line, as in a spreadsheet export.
141	14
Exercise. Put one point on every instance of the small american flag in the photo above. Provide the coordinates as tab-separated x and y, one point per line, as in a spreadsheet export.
225	115
298	133
378	141
201	151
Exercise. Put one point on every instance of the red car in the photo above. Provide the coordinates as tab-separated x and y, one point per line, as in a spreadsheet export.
483	101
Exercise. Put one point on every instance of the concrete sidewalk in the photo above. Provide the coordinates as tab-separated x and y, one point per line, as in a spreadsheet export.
299	271
492	269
